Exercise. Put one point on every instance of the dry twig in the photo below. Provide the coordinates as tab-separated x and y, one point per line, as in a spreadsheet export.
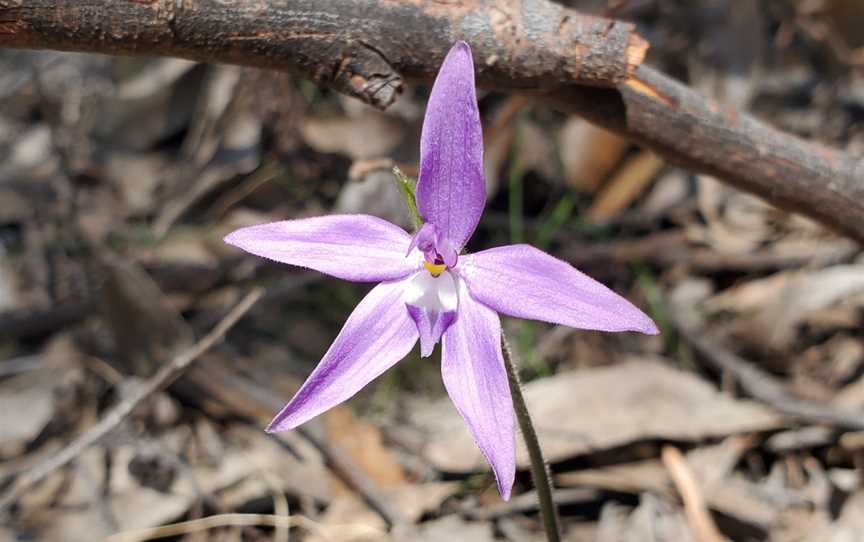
245	397
165	376
336	532
765	387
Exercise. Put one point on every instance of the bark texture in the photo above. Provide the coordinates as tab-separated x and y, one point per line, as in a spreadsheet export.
360	47
368	48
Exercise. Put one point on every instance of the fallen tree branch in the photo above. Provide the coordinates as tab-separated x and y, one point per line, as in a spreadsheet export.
359	47
696	133
368	49
165	376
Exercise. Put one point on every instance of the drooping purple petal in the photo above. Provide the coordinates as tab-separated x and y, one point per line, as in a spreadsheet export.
522	281
451	191
378	334
359	248
473	369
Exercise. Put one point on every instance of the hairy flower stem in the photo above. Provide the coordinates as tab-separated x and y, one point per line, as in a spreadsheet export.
539	469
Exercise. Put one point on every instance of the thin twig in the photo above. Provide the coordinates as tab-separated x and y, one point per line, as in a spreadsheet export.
280	506
539	470
528	502
700	519
336	532
245	397
764	387
165	376
207	523
350	472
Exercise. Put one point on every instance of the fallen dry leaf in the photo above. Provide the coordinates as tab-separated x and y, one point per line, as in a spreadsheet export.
32	393
414	500
654	519
597	409
724	492
375	194
362	441
630	181
368	135
349	519
781	302
252	452
450	528
588	153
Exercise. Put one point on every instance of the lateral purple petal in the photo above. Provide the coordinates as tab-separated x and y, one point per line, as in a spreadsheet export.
378	334
358	248
522	281
451	191
473	369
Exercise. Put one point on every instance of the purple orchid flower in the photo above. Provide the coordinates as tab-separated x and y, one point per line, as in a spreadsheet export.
430	291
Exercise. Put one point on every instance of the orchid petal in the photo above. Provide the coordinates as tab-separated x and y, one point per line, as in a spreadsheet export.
424	241
378	334
432	303
473	369
451	191
358	248
428	292
522	281
431	324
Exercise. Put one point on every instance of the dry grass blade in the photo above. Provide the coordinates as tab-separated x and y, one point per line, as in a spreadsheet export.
280	507
626	186
694	503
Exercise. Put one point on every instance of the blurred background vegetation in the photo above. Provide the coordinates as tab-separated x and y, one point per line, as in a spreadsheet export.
120	176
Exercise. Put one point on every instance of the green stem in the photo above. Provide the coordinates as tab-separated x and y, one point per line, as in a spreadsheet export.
539	470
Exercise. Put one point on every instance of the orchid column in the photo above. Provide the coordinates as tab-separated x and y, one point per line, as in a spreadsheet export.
430	290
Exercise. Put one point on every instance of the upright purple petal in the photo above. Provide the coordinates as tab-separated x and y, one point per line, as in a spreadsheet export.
522	281
475	378
377	334
359	248
451	191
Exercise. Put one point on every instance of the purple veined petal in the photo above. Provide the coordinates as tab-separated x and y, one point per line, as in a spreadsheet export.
451	191
378	334
448	251
473	369
358	248
522	281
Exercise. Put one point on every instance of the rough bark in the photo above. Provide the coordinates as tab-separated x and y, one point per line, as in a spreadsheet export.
360	47
368	48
